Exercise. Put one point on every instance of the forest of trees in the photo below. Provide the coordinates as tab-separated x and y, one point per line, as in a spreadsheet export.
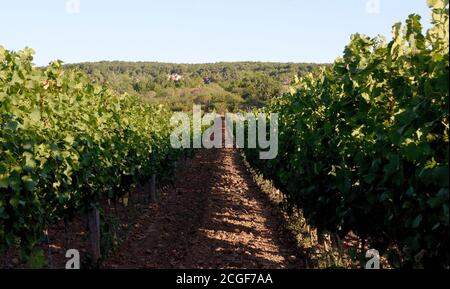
217	86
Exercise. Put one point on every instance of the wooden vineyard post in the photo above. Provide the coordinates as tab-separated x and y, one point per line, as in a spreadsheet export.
130	195
153	197
146	192
94	233
322	239
337	242
49	250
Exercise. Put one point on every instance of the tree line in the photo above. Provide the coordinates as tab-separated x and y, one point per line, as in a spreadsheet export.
216	86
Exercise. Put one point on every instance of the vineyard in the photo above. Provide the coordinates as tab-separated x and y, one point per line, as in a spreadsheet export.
66	145
365	144
363	151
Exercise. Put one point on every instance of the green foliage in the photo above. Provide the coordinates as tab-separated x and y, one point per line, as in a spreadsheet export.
364	147
217	86
37	259
66	144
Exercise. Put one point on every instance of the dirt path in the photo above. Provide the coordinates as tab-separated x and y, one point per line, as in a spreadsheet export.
216	217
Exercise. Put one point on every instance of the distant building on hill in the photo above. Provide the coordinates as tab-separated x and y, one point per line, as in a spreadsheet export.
174	77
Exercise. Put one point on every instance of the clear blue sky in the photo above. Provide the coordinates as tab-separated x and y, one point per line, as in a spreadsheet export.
196	31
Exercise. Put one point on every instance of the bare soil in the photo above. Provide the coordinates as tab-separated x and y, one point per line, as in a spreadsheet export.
215	217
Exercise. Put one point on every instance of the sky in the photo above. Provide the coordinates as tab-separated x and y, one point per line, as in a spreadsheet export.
196	31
